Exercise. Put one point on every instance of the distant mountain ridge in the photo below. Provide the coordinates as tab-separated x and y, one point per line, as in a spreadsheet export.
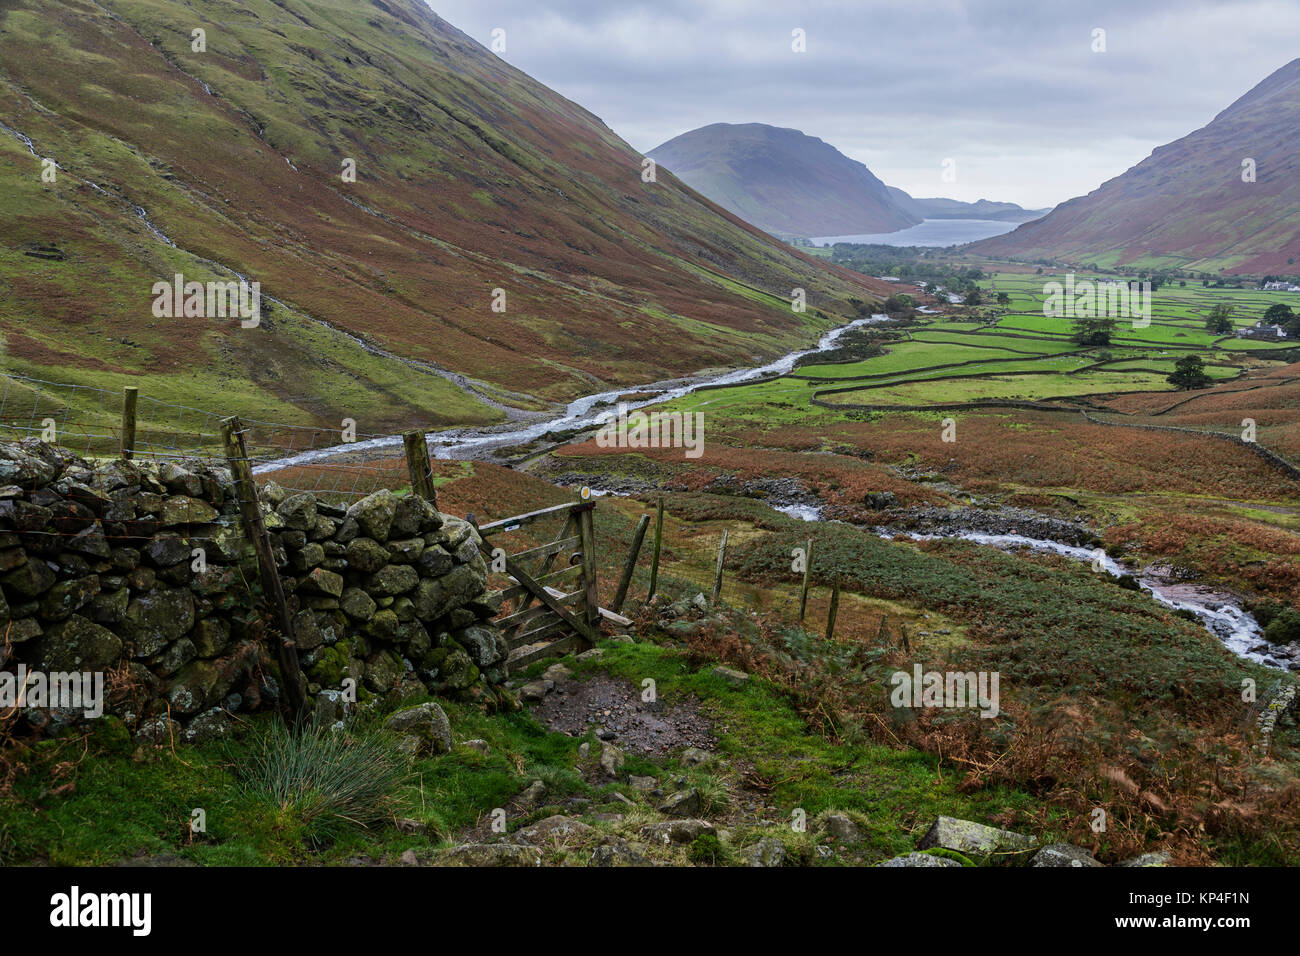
783	181
793	185
956	209
1191	203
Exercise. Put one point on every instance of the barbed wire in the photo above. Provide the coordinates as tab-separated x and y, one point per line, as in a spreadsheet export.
86	420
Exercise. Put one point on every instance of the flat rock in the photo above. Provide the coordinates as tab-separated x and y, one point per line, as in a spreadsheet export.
1159	858
768	851
557	673
1063	854
536	689
732	676
491	854
554	830
967	837
842	828
675	831
683	803
619	852
920	859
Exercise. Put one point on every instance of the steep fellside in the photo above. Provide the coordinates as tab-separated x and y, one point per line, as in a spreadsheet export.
782	180
470	177
1187	203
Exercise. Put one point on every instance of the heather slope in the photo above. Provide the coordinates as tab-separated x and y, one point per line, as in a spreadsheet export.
470	177
1187	205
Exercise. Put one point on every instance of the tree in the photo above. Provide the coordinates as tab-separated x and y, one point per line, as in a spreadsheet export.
1004	299
1220	319
974	297
1093	330
897	303
1189	373
1279	314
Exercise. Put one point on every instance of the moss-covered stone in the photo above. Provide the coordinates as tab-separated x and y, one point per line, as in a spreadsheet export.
384	670
158	617
77	644
374	514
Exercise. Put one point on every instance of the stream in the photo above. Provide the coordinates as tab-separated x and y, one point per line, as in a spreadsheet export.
461	443
1220	613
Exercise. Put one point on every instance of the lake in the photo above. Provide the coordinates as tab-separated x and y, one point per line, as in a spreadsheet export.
931	232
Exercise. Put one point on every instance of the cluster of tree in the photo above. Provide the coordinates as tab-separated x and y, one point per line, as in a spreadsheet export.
1283	315
853	346
899	305
920	264
1189	372
1219	321
1093	330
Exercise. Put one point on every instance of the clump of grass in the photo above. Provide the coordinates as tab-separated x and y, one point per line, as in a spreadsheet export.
714	796
706	849
559	780
324	779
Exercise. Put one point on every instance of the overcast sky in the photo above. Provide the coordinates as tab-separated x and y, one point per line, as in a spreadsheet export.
1011	90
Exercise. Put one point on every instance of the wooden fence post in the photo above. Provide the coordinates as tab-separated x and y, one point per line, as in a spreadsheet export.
807	572
250	511
717	575
834	609
625	582
129	395
417	463
587	531
654	562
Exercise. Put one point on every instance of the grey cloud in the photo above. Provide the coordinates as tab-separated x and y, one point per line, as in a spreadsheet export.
1010	88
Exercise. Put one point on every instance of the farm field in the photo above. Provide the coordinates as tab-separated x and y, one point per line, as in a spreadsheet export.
1018	353
1138	488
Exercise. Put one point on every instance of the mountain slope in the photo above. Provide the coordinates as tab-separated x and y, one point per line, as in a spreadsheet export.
470	177
1186	204
782	180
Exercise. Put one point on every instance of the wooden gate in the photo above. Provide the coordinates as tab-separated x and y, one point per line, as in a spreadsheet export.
566	614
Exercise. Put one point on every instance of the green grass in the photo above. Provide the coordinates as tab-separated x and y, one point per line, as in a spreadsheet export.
1020	387
123	805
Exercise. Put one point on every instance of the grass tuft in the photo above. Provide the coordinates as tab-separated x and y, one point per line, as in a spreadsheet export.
322	779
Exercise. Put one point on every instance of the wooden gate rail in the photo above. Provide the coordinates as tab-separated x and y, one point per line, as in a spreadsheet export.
562	621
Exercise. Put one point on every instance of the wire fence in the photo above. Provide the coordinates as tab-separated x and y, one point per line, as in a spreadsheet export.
333	463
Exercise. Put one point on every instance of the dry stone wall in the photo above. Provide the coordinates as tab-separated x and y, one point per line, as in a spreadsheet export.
140	571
